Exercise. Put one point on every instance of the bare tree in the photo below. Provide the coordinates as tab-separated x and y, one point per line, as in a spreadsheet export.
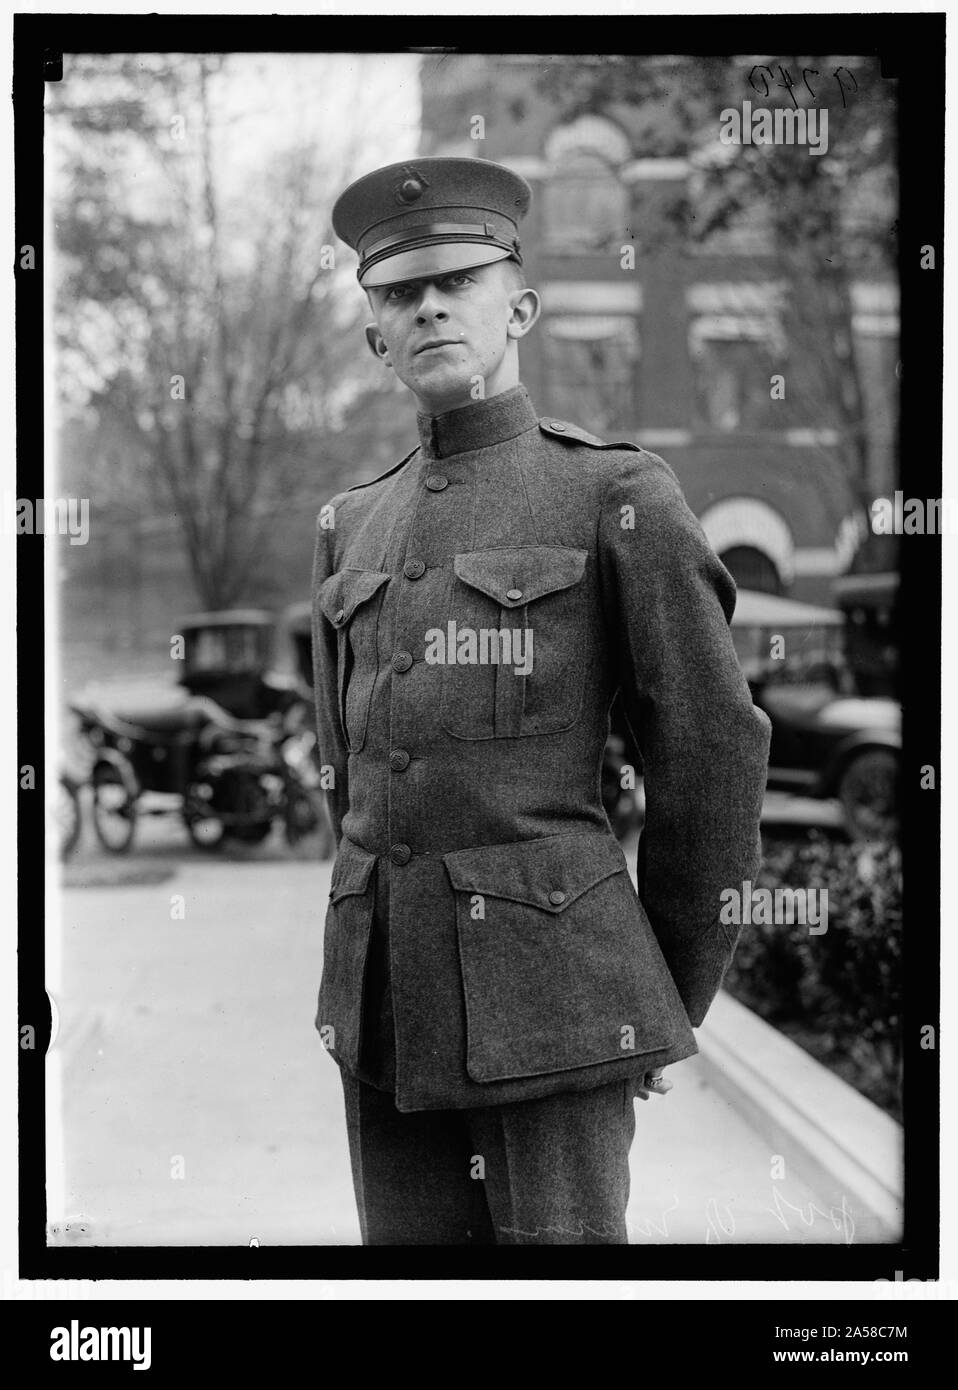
207	317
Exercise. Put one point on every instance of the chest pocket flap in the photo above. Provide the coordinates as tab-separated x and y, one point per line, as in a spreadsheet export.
341	594
515	575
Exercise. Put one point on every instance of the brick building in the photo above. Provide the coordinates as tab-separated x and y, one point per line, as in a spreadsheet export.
677	352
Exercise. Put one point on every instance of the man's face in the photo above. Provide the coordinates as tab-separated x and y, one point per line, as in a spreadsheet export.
451	339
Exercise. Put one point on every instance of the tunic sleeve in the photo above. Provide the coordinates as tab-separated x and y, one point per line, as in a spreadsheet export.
704	744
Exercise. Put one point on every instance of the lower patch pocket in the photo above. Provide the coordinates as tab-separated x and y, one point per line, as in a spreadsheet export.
560	967
345	946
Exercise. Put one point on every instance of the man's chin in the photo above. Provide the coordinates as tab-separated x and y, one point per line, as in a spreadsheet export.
445	388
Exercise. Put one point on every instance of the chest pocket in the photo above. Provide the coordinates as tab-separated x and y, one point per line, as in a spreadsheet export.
351	601
513	662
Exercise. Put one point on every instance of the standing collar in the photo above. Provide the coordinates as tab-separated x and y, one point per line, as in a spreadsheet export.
477	425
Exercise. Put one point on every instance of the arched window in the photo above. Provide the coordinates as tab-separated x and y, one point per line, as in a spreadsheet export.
752	569
586	206
753	541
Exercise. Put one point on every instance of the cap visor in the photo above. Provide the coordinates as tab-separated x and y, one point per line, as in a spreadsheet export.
427	261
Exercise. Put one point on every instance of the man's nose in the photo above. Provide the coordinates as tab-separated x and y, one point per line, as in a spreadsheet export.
431	306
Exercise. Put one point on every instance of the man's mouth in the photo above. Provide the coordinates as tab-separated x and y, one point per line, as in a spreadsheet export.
437	343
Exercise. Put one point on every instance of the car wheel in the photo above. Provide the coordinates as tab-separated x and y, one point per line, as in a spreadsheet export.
114	810
206	832
868	791
303	813
68	816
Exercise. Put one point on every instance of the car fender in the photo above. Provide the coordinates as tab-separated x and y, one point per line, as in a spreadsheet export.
859	741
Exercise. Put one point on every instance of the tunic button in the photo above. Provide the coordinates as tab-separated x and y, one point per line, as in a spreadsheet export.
340	616
513	593
399	760
558	425
436	482
557	897
402	661
400	854
414	569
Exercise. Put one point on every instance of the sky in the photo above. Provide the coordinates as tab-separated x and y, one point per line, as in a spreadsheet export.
357	111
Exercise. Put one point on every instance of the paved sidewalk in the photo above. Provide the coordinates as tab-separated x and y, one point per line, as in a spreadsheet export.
200	1108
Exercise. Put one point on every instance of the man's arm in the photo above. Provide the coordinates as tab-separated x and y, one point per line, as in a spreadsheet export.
329	731
704	744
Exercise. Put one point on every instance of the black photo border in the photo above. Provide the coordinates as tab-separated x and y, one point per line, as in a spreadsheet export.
911	47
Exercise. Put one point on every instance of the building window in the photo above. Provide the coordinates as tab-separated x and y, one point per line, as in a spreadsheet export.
731	377
752	569
591	363
585	204
736	344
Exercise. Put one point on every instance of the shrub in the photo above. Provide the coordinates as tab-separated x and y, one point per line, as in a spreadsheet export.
838	995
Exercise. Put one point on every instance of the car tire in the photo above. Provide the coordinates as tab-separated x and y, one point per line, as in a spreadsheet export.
114	810
69	815
868	791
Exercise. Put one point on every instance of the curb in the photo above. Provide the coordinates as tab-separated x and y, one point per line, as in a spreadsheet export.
836	1137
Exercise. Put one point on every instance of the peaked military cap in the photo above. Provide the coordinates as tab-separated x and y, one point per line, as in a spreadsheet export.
431	216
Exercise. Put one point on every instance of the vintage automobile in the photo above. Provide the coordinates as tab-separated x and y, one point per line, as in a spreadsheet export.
298	622
231	657
231	748
827	739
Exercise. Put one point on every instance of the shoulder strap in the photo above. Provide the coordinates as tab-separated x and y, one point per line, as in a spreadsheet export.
561	429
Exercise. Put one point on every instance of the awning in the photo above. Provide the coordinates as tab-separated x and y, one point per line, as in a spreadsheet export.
754	609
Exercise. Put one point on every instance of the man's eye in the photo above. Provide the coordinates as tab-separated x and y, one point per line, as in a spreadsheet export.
397	292
459	277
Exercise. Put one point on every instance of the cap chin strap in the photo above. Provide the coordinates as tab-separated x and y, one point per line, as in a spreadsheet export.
438	234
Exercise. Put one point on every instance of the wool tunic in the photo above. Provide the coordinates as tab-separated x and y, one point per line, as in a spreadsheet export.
475	611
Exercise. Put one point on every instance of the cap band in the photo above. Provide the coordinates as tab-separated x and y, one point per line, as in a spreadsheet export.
431	229
435	234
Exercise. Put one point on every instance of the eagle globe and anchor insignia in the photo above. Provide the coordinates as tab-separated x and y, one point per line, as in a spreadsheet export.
410	187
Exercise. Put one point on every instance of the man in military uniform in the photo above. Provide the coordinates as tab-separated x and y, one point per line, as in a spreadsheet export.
494	990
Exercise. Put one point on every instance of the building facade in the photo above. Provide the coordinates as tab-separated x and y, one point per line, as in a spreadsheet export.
686	348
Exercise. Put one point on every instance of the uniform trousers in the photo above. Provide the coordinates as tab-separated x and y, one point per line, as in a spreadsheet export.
550	1171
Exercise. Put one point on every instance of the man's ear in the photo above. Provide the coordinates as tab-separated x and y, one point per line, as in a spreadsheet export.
377	343
526	308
